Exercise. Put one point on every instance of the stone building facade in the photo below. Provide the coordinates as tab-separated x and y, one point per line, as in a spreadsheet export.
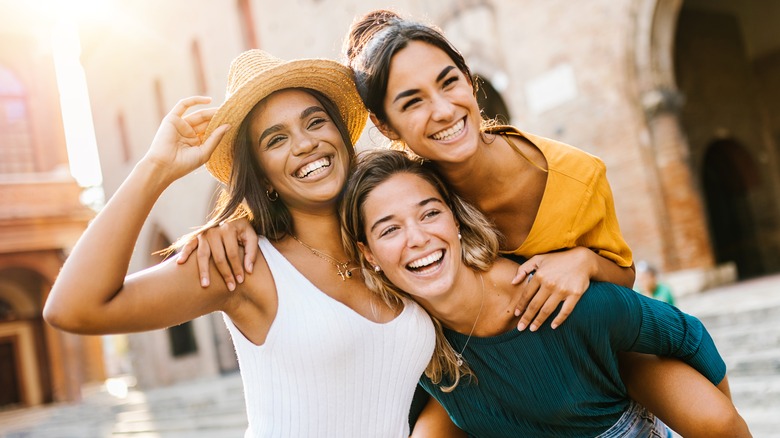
680	98
41	218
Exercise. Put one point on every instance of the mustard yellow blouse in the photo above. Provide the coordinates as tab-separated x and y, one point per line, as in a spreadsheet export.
577	207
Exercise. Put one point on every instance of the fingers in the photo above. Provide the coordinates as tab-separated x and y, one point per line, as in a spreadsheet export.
203	257
251	249
219	253
194	123
568	306
211	143
547	309
183	105
234	266
532	310
528	292
525	269
200	117
186	250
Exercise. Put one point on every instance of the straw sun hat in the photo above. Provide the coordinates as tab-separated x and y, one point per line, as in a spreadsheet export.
256	74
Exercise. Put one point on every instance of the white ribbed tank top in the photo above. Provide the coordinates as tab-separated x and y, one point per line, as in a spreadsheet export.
326	371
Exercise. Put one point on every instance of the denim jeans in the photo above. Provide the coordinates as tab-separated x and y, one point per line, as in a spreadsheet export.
637	422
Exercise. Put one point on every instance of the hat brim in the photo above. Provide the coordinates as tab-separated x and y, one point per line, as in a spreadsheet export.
331	78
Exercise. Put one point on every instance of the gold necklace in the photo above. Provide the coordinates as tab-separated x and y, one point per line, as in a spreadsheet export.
459	356
342	268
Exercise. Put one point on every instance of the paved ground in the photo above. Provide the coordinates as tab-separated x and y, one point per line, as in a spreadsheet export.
744	320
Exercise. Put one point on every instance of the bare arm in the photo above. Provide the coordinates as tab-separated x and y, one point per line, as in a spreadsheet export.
91	294
434	422
681	397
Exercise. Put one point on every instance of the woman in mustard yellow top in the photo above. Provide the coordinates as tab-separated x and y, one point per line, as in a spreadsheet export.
552	202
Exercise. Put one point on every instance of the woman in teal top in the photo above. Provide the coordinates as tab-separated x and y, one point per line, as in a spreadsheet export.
493	380
565	382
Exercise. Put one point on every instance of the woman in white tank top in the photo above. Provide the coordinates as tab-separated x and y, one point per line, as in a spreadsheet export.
319	355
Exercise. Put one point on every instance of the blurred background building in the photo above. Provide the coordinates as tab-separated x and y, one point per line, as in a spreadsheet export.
680	98
41	217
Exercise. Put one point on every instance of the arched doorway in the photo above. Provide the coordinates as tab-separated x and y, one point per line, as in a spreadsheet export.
730	178
24	374
729	76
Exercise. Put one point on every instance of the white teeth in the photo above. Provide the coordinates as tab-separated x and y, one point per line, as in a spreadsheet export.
427	260
450	132
313	167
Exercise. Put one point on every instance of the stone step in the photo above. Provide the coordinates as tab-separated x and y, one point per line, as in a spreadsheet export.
740	317
755	391
747	337
757	363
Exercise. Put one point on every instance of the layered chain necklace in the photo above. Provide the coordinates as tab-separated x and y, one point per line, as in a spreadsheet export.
342	268
459	356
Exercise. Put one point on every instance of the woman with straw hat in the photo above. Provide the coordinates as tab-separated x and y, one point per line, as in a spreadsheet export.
319	354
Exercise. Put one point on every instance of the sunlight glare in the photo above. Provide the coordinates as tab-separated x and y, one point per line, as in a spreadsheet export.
76	111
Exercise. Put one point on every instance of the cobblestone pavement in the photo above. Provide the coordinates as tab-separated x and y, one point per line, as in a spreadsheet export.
744	320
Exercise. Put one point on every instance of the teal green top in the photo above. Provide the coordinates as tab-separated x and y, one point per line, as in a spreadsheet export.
565	382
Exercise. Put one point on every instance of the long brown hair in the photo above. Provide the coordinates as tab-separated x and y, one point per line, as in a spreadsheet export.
479	242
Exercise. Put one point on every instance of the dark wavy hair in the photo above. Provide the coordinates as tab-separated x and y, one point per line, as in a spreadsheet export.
373	40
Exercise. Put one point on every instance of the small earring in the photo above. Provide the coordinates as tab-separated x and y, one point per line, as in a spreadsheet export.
272	196
377	269
459	236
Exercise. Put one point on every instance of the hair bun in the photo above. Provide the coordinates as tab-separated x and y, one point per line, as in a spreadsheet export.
364	28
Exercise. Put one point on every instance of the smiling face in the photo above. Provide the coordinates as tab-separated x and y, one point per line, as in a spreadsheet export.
299	148
413	238
430	105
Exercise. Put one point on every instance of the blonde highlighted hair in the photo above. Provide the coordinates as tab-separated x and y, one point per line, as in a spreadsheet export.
479	242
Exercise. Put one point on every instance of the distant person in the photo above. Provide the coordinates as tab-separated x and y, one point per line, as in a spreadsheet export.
647	283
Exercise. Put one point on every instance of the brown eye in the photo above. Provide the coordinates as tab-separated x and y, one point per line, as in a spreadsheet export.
411	102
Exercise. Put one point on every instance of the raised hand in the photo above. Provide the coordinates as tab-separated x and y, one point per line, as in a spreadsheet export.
178	147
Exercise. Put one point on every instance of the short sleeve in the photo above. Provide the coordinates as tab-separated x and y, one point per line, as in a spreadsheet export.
597	226
646	325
